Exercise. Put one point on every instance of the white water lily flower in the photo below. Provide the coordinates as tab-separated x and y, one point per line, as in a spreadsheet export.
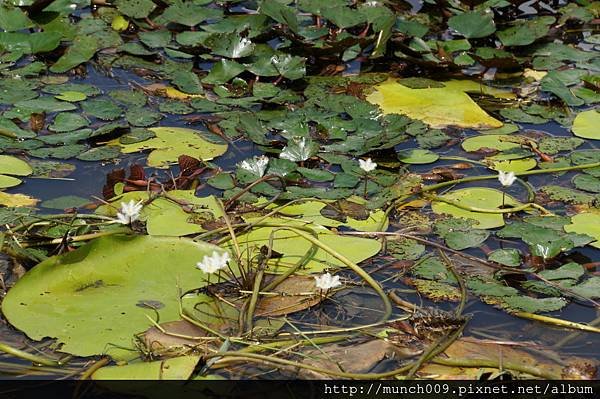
506	178
367	165
129	212
213	263
241	48
327	281
257	165
542	250
298	149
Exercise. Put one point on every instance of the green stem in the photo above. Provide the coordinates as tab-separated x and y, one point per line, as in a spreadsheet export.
28	356
437	186
357	269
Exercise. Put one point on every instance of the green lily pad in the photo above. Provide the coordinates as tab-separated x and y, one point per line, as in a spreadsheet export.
485	198
135	8
66	122
81	50
65	202
508	257
586	125
172	142
459	233
88	299
587	183
71	96
473	24
416	156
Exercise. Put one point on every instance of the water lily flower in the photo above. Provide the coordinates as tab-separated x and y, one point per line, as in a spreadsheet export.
213	263
506	178
543	250
367	165
257	165
297	150
129	212
327	281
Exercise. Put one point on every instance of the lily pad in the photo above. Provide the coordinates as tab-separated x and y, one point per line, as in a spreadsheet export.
172	142
493	141
484	198
293	248
416	156
166	216
586	125
177	368
88	298
586	223
12	166
438	107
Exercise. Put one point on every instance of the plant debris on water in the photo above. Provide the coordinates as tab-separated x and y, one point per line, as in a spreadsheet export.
200	189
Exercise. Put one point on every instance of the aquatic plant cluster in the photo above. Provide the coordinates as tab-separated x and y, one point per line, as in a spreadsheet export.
343	189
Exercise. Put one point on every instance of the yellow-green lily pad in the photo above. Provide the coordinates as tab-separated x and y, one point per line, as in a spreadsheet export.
94	299
177	368
476	197
293	247
498	142
587	125
16	200
166	216
514	165
310	211
172	142
438	107
586	223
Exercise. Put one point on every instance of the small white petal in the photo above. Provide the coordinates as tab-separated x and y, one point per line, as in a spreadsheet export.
327	281
506	178
367	165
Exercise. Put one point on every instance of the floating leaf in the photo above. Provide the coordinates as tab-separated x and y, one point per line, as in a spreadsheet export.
135	8
508	257
71	96
586	223
16	200
586	125
293	247
438	107
65	202
108	277
493	141
415	156
81	50
172	142
484	198
177	368
459	234
473	24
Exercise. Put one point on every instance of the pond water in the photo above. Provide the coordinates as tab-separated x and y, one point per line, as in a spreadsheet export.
282	84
